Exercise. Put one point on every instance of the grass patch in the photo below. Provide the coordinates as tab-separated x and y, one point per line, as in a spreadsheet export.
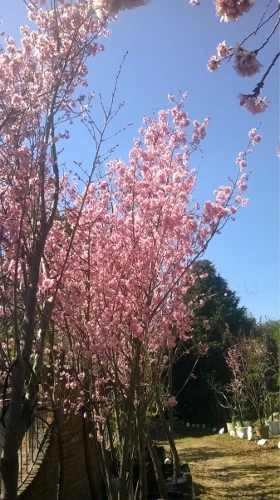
225	467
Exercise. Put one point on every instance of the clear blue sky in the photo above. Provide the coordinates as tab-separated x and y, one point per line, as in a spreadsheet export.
168	46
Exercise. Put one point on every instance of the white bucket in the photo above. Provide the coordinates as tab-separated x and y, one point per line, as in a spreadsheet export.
230	427
249	433
274	427
241	432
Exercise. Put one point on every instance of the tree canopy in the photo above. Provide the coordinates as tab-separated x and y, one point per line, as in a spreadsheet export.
218	322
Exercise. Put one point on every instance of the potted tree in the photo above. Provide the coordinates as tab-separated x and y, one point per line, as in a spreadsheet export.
249	362
232	399
272	404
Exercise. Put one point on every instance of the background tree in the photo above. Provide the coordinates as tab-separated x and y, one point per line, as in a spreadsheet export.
251	366
218	322
269	333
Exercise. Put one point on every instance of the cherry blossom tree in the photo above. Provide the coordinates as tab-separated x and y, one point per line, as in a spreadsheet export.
104	265
38	89
120	302
250	364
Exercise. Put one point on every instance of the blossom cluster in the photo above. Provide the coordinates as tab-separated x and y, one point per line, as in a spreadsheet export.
137	234
105	8
38	80
48	59
231	10
245	62
223	51
253	103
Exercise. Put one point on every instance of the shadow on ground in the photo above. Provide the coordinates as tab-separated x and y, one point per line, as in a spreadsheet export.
255	481
224	467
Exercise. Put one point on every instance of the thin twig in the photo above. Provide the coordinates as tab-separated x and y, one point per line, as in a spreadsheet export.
260	85
269	37
259	26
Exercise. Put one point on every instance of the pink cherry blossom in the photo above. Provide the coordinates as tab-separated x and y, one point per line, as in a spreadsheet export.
241	160
105	8
242	183
231	10
199	130
222	194
245	62
223	50
214	63
254	104
240	200
180	117
254	136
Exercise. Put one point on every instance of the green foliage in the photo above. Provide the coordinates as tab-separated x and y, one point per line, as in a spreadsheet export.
226	319
252	366
218	322
269	333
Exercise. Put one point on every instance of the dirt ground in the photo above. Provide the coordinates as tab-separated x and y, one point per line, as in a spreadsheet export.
225	467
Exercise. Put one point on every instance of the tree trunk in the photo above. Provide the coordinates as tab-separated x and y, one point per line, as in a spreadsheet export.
175	456
92	454
14	434
162	487
9	470
15	423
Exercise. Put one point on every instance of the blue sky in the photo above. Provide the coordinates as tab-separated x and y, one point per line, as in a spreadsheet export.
168	45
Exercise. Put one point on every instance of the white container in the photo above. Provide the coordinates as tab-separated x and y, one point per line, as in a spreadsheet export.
230	427
274	427
241	432
249	433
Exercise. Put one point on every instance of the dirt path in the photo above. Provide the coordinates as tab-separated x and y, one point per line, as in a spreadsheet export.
225	467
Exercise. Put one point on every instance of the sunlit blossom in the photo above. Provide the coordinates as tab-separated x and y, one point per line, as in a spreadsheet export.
254	104
245	62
